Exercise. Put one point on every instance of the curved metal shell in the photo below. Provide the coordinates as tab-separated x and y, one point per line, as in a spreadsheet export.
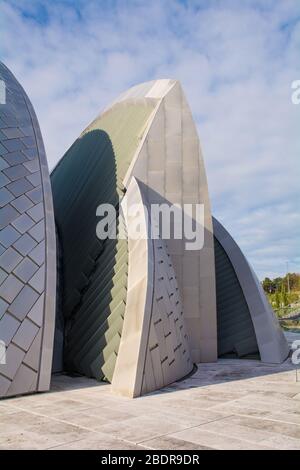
250	323
27	246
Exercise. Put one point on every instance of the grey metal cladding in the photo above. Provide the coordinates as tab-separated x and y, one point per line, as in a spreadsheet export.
5	197
14	357
30	153
7	214
38	254
36	212
2	149
22	203
26	269
12	132
3	180
38	230
34	178
29	142
10	259
25	334
272	345
3	276
23	302
32	165
13	158
20	186
9	289
27	247
16	172
235	328
36	313
23	223
38	280
3	163
13	144
3	307
35	195
9	325
25	244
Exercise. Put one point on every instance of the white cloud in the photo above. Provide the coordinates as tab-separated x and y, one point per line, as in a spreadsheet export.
236	61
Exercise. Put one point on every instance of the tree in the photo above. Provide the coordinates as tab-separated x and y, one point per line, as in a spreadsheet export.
278	281
294	281
268	285
277	299
284	296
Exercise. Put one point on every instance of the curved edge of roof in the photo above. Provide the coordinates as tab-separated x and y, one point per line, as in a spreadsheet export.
272	344
153	89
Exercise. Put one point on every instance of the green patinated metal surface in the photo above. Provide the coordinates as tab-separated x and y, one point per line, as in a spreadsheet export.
236	334
94	272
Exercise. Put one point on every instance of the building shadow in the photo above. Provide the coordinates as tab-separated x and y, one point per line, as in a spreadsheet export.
85	178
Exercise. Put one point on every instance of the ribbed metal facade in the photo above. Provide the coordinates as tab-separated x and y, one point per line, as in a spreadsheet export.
94	272
236	334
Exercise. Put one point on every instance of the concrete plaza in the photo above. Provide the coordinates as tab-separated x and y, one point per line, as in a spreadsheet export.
231	404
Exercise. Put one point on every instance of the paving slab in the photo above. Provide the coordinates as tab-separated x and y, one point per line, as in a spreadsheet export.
231	404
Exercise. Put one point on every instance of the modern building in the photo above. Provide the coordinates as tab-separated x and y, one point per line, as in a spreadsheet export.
136	311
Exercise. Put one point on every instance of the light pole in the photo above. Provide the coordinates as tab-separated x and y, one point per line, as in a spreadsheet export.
288	277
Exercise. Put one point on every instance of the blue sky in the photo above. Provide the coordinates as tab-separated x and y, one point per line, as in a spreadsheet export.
236	61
